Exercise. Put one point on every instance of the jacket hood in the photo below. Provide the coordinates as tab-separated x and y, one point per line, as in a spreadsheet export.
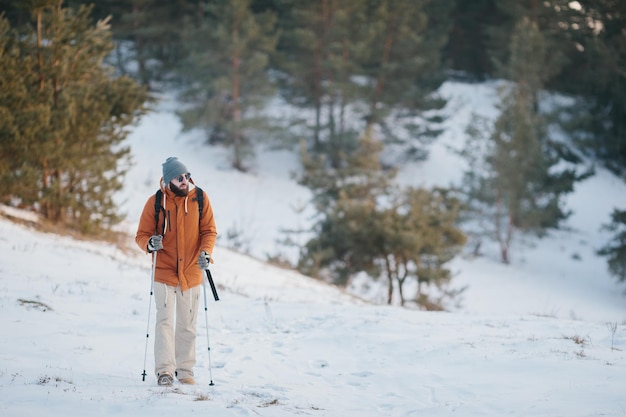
167	192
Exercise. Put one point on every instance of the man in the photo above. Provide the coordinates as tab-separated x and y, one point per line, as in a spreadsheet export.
183	236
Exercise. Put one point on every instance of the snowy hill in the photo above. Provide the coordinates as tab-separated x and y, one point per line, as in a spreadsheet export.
74	316
545	336
559	276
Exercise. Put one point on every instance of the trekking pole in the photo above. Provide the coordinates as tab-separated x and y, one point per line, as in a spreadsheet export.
145	354
206	322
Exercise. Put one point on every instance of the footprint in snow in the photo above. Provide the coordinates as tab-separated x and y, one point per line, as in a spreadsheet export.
319	364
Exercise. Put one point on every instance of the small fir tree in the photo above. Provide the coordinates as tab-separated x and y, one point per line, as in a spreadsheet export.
615	250
521	186
368	225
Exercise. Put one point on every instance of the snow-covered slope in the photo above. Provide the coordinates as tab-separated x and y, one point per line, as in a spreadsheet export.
544	336
559	276
75	316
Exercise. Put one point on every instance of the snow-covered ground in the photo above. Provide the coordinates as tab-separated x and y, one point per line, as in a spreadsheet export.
544	336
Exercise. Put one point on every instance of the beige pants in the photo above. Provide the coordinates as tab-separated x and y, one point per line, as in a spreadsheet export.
175	346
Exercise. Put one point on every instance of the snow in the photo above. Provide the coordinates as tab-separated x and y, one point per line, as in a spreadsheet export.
544	336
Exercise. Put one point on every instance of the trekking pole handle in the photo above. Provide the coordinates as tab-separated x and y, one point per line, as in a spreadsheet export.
210	278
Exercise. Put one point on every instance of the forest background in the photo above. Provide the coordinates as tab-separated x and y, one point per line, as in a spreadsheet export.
363	77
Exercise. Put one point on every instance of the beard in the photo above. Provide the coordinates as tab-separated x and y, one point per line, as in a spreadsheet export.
179	191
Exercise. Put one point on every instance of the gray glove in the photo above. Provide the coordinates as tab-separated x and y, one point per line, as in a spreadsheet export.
155	243
203	260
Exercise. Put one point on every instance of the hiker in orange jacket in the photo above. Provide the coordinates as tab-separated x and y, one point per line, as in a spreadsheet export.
182	232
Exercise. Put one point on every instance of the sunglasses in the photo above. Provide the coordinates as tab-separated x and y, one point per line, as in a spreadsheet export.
186	176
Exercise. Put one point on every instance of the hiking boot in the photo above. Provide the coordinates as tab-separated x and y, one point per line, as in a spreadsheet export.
187	380
165	380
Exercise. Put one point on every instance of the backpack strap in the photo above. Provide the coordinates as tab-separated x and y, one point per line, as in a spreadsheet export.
200	200
158	207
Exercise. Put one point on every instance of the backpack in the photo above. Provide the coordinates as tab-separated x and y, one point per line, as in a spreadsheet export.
158	207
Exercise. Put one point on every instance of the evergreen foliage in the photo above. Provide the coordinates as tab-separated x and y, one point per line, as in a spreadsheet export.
615	250
227	70
368	225
149	38
596	75
549	17
324	43
64	118
588	48
522	185
318	50
469	42
356	64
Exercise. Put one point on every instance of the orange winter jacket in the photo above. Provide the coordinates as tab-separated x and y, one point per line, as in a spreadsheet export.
183	239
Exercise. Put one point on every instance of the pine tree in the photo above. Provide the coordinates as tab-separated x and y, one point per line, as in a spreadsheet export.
403	67
557	20
521	187
368	225
65	137
17	111
596	75
148	37
318	48
227	70
345	199
377	61
421	237
615	250
467	49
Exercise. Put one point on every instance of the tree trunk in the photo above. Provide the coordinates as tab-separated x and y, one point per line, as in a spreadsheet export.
236	101
390	279
39	52
400	289
380	80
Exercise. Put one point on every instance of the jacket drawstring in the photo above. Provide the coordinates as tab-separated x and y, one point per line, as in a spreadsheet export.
165	301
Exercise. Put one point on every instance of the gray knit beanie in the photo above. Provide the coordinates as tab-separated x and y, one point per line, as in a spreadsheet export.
172	168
